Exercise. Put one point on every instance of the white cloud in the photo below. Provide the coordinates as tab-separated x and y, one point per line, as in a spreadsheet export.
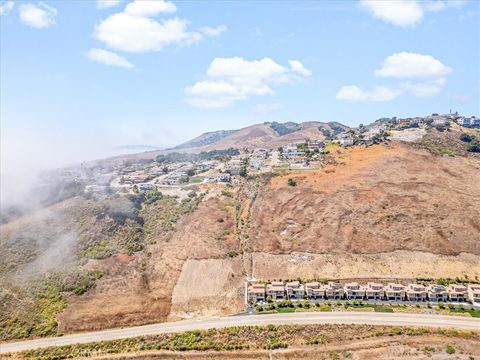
411	65
37	16
149	8
402	13
213	31
105	4
427	88
406	13
6	8
108	58
135	29
298	67
426	77
229	80
378	94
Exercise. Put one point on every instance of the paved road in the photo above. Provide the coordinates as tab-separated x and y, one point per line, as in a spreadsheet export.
396	319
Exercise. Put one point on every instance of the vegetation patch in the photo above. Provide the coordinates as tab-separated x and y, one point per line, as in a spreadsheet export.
40	306
240	338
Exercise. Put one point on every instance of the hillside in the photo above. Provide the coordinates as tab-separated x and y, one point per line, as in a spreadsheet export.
272	135
394	210
265	135
205	139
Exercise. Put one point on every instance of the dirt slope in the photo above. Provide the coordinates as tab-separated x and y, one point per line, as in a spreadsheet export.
378	199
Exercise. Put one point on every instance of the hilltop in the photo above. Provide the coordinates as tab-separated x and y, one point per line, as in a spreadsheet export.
268	135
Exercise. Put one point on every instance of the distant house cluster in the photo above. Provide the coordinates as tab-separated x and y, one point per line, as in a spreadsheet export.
472	122
279	290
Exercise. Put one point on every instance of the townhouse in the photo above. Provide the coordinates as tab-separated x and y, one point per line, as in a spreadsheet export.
457	293
395	292
333	290
295	290
354	291
256	292
314	290
276	290
473	291
416	292
437	293
374	291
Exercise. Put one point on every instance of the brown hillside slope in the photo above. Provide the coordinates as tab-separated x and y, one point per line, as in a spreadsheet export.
378	199
139	290
254	136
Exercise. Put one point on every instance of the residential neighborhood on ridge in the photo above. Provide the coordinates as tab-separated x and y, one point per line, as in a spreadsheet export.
173	170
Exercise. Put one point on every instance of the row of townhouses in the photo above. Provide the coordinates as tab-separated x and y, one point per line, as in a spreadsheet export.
278	290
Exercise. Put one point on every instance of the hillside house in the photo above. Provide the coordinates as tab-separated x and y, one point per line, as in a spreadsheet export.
474	293
374	291
457	293
333	290
437	293
223	177
256	293
354	291
315	145
295	290
276	290
416	292
144	187
395	292
314	290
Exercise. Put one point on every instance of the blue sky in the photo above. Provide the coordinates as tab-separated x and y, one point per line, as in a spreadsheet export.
79	78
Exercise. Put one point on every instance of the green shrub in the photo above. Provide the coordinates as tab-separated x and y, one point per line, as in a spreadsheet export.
292	182
450	350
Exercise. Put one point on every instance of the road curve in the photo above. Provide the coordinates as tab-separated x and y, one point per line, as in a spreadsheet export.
395	319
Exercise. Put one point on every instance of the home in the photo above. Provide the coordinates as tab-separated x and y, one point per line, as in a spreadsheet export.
474	293
144	187
464	121
374	291
313	145
314	290
395	292
223	177
295	290
437	293
276	290
333	290
353	291
256	293
457	293
416	292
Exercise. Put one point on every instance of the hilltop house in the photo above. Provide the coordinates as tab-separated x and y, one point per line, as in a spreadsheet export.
333	290
436	293
469	121
457	293
374	291
395	292
416	292
295	290
314	290
276	290
353	291
474	293
256	293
